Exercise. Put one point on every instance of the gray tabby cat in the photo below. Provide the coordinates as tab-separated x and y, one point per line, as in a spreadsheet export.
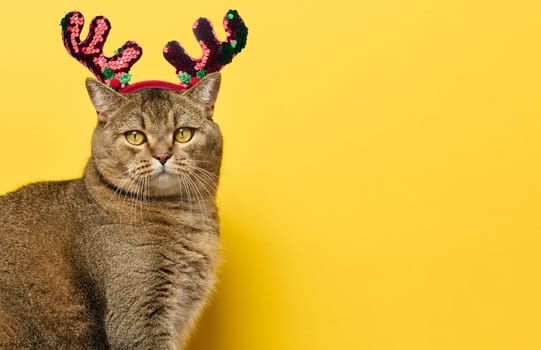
125	257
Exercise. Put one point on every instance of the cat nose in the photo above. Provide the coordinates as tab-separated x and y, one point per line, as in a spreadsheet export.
162	157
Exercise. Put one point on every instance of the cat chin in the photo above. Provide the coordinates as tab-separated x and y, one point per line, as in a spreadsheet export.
163	185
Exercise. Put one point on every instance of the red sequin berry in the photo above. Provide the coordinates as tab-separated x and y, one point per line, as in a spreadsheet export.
115	83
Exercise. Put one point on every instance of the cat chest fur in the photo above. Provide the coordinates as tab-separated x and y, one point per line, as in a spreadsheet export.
155	279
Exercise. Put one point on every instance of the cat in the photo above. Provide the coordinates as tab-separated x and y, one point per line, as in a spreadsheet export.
126	256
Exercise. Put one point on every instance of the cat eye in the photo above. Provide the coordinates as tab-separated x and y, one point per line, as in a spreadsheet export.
135	137
184	135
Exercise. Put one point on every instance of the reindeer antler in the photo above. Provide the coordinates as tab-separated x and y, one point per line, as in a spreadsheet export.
110	70
216	54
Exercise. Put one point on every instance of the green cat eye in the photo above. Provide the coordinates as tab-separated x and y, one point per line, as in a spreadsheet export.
184	135
135	137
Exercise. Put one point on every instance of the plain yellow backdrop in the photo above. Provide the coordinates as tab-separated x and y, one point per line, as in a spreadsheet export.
381	181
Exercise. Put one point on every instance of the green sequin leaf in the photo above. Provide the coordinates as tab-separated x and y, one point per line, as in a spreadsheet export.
185	77
124	78
201	73
108	73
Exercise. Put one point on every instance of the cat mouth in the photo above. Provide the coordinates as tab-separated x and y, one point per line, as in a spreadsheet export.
161	171
163	174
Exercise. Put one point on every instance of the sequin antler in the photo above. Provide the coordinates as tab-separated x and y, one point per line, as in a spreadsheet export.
216	54
114	70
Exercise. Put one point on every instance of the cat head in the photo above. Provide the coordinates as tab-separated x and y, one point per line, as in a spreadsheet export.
158	143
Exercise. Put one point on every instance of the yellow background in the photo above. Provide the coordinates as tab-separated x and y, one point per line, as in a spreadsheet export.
381	182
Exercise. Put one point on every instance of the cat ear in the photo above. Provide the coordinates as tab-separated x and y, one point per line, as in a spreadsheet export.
205	92
104	99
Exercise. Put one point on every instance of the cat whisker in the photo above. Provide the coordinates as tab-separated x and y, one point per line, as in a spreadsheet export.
207	173
130	195
203	161
197	194
143	200
117	192
208	188
207	180
202	177
211	177
191	194
180	189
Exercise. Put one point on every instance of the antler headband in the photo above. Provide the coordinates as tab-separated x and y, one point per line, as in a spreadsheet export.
114	70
